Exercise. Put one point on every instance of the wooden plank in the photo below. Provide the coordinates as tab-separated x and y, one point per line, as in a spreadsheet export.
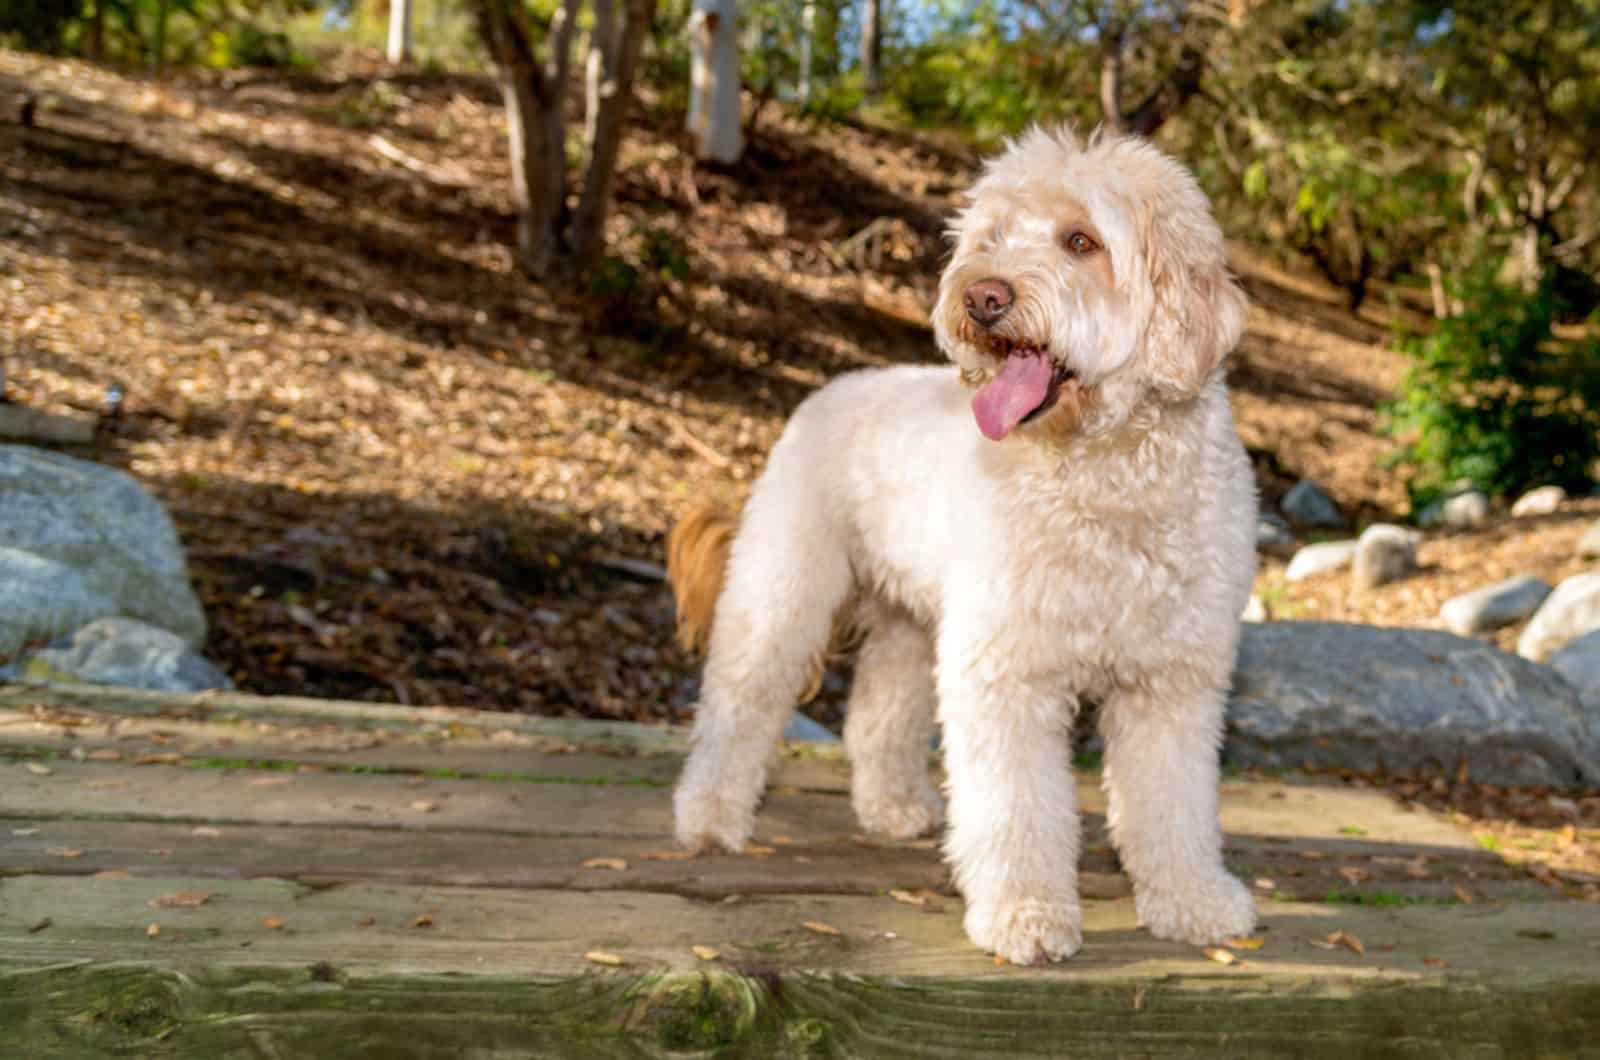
599	807
476	859
348	971
266	745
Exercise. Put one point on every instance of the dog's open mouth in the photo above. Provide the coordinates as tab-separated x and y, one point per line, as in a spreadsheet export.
1026	387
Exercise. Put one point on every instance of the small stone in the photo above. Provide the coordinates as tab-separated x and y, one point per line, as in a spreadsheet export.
1460	512
1317	559
1308	505
130	654
1384	553
1494	606
1255	610
1545	500
1589	547
1568	613
1273	536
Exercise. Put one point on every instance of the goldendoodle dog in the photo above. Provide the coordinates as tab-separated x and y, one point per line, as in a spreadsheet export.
1065	514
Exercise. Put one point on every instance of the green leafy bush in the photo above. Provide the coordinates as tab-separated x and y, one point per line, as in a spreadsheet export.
1493	398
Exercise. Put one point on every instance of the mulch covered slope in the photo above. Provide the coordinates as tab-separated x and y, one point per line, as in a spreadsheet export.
405	473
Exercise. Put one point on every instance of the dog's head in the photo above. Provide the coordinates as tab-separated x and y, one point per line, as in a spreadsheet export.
1087	278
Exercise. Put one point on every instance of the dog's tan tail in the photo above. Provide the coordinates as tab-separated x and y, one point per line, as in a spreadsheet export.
697	556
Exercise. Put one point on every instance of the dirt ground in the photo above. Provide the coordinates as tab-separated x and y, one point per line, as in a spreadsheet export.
405	473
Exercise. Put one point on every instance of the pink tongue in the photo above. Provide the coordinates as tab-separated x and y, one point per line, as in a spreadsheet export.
1020	388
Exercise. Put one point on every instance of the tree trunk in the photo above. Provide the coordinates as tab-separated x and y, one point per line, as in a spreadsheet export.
599	73
872	47
808	29
1181	84
1112	37
96	46
159	55
399	31
533	98
714	80
616	64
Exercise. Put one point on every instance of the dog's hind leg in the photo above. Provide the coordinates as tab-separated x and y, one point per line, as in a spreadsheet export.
889	728
787	575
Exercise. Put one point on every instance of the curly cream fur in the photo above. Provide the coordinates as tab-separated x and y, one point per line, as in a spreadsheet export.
1102	550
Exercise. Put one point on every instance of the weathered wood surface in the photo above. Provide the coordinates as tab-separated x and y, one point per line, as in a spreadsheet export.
386	883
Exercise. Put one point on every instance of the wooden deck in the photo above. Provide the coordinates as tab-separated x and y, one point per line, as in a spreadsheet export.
232	876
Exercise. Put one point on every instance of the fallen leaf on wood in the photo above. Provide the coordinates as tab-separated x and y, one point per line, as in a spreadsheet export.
366	921
425	806
614	864
422	921
706	953
158	760
182	900
820	927
104	754
1246	942
1416	868
908	898
272	923
22	833
605	957
666	855
1347	940
206	832
756	850
40	926
152	931
271	782
37	770
112	874
783	840
1354	874
1464	895
64	852
1000	961
1434	962
1264	884
1220	955
1313	855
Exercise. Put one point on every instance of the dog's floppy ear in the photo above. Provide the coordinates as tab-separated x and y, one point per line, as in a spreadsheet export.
1198	313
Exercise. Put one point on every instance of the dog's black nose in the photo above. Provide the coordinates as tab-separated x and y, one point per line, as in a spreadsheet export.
989	300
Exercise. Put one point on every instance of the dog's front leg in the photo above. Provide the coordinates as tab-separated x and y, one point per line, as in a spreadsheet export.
1161	777
1012	808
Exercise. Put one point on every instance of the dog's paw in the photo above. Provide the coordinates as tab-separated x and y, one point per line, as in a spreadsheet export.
900	815
1027	931
1204	914
706	821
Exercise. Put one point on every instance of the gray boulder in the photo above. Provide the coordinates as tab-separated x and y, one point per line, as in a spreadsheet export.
1273	536
103	525
1325	695
127	653
1316	559
1460	512
1569	612
1579	663
1545	500
1308	505
1494	606
1384	553
41	599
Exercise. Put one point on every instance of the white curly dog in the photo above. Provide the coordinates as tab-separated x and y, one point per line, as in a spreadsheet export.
1066	514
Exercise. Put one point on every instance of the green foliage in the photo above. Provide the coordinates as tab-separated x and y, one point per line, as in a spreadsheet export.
1493	399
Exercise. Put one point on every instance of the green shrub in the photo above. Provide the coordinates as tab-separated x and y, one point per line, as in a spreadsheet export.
1493	398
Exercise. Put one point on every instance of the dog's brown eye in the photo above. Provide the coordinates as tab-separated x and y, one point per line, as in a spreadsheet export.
1079	243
